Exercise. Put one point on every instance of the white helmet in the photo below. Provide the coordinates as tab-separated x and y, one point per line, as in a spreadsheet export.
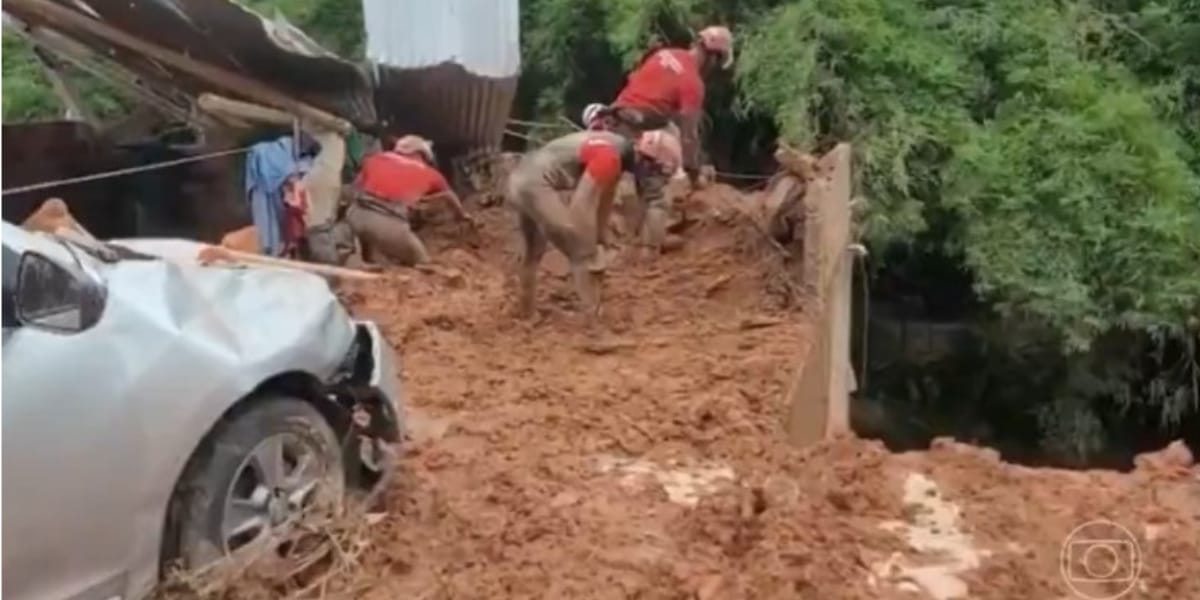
663	147
415	145
719	40
590	112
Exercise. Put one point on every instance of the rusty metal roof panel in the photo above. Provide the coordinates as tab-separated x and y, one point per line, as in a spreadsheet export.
217	33
459	111
446	70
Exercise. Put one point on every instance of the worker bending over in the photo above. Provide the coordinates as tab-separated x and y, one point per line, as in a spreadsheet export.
588	164
389	186
666	91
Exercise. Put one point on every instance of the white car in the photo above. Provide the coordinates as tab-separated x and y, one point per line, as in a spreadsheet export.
158	411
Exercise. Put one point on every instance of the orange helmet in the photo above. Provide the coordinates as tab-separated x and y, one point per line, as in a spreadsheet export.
414	144
661	146
718	40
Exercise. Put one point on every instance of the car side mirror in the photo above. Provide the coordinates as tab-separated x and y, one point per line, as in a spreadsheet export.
52	297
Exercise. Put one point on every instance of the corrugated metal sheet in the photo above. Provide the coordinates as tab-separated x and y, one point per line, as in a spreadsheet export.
459	111
445	70
221	34
481	35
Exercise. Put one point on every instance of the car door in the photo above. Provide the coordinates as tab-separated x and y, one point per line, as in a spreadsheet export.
70	450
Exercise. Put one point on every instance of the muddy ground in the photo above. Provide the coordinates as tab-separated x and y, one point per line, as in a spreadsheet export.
539	469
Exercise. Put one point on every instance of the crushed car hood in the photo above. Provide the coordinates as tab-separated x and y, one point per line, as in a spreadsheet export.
272	318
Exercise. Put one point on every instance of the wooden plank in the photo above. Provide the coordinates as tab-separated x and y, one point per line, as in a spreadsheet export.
220	78
217	254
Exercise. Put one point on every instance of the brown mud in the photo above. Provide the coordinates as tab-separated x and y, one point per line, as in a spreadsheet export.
655	467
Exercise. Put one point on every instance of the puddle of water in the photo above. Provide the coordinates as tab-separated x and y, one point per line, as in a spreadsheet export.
683	485
934	532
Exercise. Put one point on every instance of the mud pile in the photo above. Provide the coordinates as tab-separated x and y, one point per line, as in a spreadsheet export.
539	469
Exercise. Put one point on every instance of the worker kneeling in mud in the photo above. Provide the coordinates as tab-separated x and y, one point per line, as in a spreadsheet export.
389	186
589	164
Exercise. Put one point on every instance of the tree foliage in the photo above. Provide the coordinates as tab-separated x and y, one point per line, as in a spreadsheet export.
1044	155
26	89
1046	150
1059	183
28	95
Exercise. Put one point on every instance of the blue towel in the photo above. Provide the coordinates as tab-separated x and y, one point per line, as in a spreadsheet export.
268	166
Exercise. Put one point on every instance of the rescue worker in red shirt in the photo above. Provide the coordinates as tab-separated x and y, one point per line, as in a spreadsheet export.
389	185
666	91
589	164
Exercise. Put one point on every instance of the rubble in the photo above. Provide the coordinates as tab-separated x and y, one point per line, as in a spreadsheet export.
537	469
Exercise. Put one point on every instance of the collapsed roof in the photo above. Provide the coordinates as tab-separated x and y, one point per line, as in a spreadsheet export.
175	50
446	70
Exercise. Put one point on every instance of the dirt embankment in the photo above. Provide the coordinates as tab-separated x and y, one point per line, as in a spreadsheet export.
538	469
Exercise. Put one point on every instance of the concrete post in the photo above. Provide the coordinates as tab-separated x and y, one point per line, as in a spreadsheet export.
819	400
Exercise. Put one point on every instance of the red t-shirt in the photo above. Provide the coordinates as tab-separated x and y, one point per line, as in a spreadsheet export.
398	178
667	82
601	159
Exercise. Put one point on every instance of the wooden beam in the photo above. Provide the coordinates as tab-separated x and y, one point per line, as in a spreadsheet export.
212	254
246	111
219	78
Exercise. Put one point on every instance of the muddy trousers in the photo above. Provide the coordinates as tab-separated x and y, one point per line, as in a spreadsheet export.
651	215
385	232
544	218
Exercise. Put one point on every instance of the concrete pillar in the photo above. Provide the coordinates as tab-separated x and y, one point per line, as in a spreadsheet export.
819	399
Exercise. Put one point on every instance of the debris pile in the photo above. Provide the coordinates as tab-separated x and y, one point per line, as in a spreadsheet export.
539	469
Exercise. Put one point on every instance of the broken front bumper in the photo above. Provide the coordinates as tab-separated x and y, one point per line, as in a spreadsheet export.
368	387
382	380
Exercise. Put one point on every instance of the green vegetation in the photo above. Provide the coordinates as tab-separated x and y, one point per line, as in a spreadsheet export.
1035	163
27	93
1040	159
335	24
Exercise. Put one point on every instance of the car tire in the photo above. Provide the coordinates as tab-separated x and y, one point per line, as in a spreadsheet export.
226	479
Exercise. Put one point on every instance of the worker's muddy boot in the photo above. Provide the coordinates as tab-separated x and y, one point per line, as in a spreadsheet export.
587	288
600	261
600	340
672	243
526	290
329	243
655	230
533	248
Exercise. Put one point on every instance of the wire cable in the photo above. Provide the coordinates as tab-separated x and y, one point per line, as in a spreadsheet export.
33	187
750	176
866	318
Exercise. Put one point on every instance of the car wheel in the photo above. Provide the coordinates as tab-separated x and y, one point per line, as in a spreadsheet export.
260	469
